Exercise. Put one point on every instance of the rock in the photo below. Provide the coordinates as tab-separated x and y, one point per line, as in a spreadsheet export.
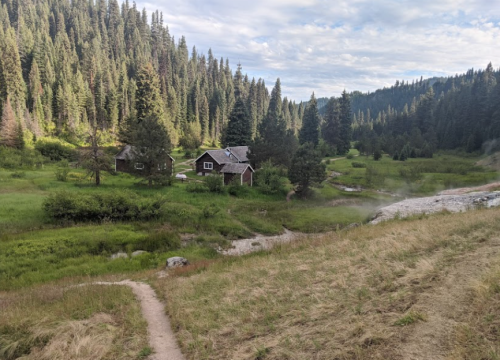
138	252
352	226
119	255
176	261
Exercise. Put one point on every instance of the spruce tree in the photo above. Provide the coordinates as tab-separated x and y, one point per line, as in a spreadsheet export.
310	123
273	143
345	124
9	135
331	126
151	148
306	169
239	130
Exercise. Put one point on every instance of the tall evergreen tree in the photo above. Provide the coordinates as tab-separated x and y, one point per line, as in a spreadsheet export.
345	124
151	146
239	130
331	126
306	169
273	143
9	130
310	123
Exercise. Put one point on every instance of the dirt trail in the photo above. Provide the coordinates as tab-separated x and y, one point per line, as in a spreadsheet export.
161	337
445	306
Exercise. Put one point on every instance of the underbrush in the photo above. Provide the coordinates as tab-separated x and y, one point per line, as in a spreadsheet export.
112	206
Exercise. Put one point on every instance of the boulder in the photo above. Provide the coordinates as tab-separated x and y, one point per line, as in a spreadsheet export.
138	252
176	261
119	255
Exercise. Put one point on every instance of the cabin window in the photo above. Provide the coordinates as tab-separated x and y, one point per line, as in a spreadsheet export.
139	166
208	166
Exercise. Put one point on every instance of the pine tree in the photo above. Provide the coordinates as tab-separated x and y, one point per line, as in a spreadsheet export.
151	146
9	135
306	169
273	143
331	126
12	75
345	124
310	123
239	131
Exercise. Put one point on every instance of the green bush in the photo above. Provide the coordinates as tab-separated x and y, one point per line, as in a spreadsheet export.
18	175
236	189
270	179
159	241
112	206
215	183
356	164
196	187
56	150
210	211
62	171
349	156
14	159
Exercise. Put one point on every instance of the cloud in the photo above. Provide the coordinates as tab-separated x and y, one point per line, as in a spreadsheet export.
325	46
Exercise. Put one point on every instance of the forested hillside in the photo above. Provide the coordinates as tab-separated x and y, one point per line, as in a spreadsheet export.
67	64
439	113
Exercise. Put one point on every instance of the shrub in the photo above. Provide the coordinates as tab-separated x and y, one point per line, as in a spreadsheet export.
236	189
159	241
196	187
62	171
215	183
18	175
14	159
270	179
56	150
356	164
210	211
349	156
106	206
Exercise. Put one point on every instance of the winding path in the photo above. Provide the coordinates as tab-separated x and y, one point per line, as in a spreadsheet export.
161	336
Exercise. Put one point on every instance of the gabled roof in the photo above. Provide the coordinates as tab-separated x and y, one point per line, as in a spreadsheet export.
220	156
127	154
240	152
236	168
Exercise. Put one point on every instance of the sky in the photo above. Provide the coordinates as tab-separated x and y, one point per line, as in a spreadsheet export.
327	46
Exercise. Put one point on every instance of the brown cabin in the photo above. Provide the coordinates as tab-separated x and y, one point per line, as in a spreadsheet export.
124	161
231	162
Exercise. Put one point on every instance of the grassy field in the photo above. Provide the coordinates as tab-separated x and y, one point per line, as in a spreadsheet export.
414	176
36	249
419	288
54	322
343	295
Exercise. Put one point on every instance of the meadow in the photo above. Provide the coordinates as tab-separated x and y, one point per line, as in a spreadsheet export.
41	257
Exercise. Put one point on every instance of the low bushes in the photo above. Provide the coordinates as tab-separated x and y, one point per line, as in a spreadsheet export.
20	159
102	206
356	164
56	150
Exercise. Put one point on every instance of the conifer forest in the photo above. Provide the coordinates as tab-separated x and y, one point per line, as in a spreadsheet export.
69	66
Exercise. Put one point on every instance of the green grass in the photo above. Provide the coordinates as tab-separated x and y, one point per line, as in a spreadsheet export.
34	249
432	175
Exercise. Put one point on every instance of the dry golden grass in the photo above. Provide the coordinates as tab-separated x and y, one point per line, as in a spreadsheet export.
397	290
53	322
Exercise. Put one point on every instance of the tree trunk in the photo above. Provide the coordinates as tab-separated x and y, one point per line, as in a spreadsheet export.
97	178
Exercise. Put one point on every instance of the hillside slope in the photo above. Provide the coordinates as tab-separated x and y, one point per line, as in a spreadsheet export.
416	289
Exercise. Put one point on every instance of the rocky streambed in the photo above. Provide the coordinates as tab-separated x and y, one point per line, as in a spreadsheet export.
432	204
